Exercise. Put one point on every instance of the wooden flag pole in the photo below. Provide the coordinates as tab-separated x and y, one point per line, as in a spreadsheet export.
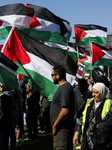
77	54
77	51
108	72
90	60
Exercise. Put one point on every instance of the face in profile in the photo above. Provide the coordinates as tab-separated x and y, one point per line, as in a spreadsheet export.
54	74
96	95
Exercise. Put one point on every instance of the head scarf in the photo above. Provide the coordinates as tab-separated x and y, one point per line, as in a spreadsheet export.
100	87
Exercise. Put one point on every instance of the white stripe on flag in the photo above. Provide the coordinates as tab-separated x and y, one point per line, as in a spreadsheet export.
24	21
44	68
95	33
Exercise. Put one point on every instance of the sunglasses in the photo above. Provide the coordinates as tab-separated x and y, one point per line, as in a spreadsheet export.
53	75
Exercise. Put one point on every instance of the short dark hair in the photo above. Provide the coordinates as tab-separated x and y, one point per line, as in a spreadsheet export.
61	71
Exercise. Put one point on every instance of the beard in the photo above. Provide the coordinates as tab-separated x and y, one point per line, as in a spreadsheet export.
55	81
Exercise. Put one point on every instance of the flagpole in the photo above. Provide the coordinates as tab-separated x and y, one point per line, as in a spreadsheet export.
108	72
90	60
77	51
77	54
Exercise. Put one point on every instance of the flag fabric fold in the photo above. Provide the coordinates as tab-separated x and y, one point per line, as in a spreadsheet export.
37	60
70	50
8	72
16	15
37	22
74	53
43	13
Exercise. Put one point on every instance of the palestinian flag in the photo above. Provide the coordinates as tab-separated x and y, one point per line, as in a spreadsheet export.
95	68
96	73
70	50
94	33
16	15
86	62
101	55
8	72
99	69
36	60
62	26
85	75
37	22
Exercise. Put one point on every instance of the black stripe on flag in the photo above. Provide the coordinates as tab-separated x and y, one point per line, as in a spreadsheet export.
7	62
91	27
16	9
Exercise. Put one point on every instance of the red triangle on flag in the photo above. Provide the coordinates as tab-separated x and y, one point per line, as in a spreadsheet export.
14	49
34	23
27	5
79	34
97	53
1	22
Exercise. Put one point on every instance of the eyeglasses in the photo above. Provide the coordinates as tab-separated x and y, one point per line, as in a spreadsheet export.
53	75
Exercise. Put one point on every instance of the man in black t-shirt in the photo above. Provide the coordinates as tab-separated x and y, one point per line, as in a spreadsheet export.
62	111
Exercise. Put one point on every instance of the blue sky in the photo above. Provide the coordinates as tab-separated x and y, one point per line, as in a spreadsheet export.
98	12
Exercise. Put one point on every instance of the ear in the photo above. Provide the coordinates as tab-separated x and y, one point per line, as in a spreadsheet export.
57	76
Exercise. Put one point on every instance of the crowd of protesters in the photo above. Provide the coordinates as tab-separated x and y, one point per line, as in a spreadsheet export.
27	108
20	109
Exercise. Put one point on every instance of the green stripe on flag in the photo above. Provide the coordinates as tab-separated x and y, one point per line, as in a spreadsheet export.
85	41
4	32
42	84
45	36
37	35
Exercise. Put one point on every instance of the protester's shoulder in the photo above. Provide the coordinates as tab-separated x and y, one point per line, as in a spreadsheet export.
6	93
67	86
12	93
